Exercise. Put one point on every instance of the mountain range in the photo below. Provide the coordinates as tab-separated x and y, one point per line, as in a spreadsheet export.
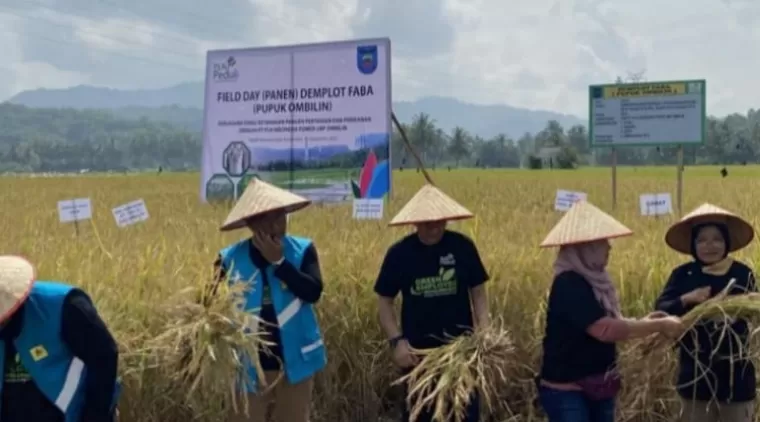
182	105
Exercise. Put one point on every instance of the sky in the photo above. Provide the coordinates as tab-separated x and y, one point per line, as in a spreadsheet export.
538	54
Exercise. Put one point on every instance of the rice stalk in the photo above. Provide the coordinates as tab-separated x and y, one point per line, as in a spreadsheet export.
447	377
651	358
203	348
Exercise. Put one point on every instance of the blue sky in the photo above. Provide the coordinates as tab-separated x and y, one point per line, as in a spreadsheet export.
539	54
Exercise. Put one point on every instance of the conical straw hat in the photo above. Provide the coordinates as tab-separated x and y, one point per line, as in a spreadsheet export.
261	197
740	231
583	223
16	279
430	204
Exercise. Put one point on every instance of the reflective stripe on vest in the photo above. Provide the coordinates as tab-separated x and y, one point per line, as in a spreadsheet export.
301	340
70	384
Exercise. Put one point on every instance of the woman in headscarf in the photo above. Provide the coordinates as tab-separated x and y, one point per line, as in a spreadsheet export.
579	381
716	380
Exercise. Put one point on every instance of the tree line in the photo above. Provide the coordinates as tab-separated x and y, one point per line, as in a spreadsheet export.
67	140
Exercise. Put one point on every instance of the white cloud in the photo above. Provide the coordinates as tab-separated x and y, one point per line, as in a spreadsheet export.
539	54
18	74
575	43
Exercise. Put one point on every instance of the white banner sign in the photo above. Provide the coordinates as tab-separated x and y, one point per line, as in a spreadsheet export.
655	204
130	213
652	113
565	199
307	118
368	209
70	210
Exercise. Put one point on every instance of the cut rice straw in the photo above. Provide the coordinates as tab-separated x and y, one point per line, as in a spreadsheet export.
448	376
203	347
721	311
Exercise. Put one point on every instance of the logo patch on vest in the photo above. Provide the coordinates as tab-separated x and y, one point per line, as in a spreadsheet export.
38	353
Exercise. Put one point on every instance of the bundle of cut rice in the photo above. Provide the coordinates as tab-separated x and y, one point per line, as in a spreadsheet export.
720	311
447	376
200	351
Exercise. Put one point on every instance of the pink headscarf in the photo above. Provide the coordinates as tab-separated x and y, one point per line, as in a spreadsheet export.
590	261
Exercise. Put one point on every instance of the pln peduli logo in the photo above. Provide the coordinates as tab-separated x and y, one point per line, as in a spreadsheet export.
225	71
366	59
374	179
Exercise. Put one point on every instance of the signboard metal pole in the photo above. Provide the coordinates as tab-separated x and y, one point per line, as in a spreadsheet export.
614	178
679	180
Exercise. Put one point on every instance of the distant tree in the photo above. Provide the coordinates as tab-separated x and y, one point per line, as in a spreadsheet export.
459	145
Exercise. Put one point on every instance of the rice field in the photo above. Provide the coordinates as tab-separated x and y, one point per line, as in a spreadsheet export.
133	273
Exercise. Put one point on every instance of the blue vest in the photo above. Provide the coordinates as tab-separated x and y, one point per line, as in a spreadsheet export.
302	348
58	374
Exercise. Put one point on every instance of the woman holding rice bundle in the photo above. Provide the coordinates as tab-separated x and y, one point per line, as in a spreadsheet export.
441	278
716	380
286	278
578	381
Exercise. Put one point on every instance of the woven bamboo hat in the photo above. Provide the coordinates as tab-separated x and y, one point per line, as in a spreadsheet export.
261	197
16	279
583	223
740	231
430	204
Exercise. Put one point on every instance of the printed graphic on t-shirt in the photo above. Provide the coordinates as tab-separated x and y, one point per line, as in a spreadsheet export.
443	284
447	260
15	372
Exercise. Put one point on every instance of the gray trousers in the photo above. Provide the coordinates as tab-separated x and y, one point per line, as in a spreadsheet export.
701	411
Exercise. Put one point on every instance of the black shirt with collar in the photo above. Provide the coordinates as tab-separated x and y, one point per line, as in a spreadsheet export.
728	378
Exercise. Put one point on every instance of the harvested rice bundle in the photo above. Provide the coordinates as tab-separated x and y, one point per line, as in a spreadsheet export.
649	365
201	351
447	376
721	310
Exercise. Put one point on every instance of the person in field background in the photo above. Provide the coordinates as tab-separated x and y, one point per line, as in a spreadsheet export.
716	378
441	279
578	379
286	282
59	360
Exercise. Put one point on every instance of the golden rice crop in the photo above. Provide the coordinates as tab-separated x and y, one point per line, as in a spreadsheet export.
447	377
138	273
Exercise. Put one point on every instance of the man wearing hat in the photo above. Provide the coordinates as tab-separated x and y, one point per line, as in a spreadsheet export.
286	282
59	361
716	377
441	279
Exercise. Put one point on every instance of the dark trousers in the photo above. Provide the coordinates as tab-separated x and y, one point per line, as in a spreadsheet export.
472	413
574	406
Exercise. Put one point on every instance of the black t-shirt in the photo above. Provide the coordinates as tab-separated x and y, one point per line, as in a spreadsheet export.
570	353
434	282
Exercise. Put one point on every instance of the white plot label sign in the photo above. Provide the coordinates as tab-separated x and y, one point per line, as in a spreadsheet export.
640	114
368	209
566	198
73	210
655	204
130	213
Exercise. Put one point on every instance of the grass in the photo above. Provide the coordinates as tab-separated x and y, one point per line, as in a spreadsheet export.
135	274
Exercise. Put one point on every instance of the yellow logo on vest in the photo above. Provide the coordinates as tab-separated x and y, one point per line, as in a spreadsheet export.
38	353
